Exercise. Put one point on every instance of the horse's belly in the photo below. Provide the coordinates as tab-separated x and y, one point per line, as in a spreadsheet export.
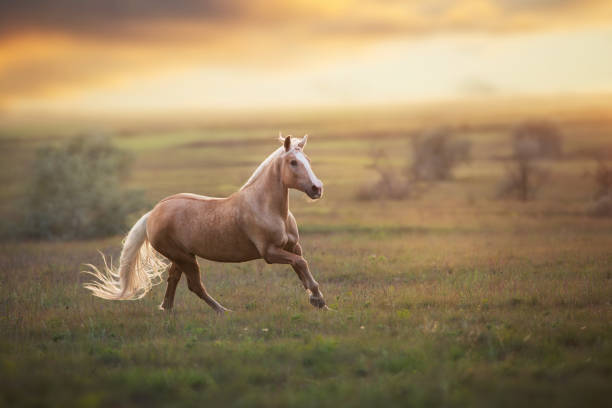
225	246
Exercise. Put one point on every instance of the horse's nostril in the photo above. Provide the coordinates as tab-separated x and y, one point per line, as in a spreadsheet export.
315	189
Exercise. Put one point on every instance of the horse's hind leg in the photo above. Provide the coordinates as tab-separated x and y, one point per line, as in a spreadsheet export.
191	270
174	275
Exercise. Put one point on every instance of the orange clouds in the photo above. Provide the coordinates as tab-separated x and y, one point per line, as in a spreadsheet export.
53	48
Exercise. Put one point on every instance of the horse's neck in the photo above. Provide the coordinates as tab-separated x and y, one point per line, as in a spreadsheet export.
269	190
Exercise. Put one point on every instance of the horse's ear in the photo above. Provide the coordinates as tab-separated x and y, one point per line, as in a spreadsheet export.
302	142
287	143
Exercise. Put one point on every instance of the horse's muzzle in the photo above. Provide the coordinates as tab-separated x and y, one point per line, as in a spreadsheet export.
315	192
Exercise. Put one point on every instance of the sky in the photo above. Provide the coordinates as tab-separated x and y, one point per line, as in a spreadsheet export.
74	56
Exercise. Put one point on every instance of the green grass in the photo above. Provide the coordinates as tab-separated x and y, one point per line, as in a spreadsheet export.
451	299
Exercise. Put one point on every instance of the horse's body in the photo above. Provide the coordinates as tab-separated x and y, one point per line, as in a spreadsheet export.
210	227
253	223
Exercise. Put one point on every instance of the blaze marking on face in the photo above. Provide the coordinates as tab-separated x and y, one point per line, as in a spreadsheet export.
313	179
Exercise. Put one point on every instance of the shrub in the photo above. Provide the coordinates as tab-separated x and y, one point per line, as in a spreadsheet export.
390	183
435	154
602	205
537	139
75	191
603	180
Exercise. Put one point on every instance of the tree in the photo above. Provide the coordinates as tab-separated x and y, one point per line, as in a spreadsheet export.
537	139
435	155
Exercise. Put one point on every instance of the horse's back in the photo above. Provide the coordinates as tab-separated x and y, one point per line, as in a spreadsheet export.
204	226
190	196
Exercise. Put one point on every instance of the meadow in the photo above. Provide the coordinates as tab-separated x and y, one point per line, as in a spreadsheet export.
450	298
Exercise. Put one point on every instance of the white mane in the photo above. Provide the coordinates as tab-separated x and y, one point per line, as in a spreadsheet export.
263	165
268	160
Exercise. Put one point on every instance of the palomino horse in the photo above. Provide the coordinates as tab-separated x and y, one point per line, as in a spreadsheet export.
253	223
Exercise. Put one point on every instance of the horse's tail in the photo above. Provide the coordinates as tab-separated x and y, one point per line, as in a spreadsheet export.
140	267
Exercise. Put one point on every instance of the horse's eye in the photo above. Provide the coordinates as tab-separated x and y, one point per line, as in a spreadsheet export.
293	162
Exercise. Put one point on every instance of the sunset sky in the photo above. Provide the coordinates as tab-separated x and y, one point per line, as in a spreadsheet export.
74	56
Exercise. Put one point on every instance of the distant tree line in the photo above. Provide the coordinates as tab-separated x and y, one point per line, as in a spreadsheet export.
437	152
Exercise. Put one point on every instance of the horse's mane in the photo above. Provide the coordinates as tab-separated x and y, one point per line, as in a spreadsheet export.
266	162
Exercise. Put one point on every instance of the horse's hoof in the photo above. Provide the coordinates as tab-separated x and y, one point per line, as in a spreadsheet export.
165	308
222	310
318	302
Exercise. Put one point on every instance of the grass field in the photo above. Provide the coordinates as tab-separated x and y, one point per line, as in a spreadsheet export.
450	299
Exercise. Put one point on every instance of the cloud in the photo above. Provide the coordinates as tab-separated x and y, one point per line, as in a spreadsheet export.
108	17
537	4
50	47
476	87
120	19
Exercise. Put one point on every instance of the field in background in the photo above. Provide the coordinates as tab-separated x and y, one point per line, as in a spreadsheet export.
450	299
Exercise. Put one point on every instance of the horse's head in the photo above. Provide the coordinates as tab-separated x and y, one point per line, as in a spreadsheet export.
295	168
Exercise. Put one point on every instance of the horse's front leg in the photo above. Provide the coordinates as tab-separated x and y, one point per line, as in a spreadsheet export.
297	249
277	255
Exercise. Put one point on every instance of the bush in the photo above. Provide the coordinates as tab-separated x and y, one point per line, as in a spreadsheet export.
435	154
390	184
603	180
537	139
602	205
75	191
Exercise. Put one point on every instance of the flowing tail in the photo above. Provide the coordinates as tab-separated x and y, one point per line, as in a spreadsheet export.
140	268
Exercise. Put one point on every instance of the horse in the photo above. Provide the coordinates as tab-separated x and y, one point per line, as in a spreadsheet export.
253	223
